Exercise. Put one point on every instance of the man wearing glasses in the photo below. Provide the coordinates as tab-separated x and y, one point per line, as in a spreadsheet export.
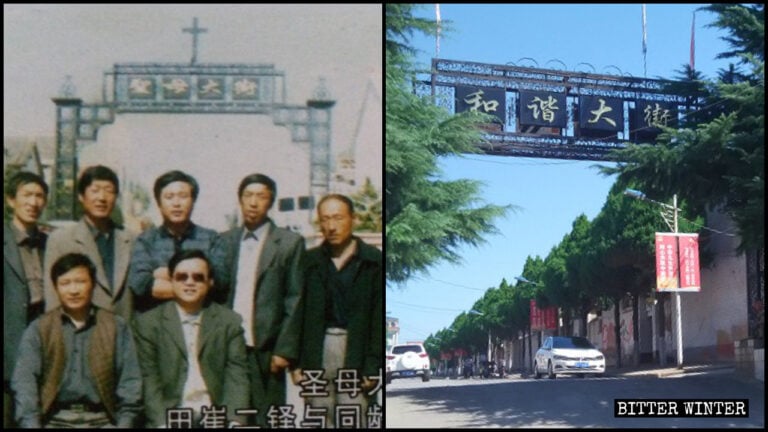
192	350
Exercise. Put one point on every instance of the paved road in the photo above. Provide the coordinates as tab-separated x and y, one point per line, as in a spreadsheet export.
564	402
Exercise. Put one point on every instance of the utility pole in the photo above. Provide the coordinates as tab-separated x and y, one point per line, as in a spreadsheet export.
678	304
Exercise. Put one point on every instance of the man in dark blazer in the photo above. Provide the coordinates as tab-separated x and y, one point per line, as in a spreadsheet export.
191	350
264	281
343	322
99	238
23	247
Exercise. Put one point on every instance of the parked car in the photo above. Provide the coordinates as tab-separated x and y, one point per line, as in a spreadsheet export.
568	354
407	361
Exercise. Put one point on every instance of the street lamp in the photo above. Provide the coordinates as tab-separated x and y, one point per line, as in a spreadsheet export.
524	280
678	306
477	312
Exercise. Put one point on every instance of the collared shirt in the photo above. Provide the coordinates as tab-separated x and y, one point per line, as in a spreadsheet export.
105	242
31	245
76	384
340	282
195	394
251	244
155	247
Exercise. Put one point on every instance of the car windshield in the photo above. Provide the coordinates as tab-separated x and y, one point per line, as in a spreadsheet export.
402	349
571	342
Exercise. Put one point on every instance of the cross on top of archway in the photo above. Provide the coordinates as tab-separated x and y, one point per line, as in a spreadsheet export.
194	30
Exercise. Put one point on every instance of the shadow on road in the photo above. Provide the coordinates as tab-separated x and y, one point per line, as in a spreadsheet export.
568	402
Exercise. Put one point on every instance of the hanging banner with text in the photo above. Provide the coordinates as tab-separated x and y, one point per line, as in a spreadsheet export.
677	262
543	319
459	352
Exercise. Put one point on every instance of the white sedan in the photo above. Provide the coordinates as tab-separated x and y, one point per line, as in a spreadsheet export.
567	354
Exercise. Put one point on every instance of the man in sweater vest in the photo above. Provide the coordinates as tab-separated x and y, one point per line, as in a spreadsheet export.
77	365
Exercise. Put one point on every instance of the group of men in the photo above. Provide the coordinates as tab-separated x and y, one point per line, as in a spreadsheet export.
105	328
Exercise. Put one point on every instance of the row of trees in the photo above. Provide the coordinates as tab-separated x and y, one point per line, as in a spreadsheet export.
597	264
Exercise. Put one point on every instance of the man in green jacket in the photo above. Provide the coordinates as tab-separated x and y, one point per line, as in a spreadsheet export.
192	350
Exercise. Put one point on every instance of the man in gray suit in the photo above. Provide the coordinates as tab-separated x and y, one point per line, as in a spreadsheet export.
98	237
262	273
23	246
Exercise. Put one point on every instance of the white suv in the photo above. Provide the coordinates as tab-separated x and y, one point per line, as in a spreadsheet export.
407	360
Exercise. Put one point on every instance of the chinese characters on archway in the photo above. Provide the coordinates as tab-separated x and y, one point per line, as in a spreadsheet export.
486	100
593	115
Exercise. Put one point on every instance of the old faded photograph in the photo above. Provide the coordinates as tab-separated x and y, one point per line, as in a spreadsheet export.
193	216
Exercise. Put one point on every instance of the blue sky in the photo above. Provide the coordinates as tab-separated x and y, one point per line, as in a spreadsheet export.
549	193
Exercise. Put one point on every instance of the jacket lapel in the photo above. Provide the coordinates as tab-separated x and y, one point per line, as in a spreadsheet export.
84	237
268	251
207	326
122	258
172	325
11	252
232	243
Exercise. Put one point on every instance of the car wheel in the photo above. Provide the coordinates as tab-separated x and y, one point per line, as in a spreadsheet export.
551	371
425	377
536	374
388	379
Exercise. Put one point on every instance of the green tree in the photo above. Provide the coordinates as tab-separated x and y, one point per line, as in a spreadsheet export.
561	280
620	257
368	208
7	210
720	163
576	269
428	219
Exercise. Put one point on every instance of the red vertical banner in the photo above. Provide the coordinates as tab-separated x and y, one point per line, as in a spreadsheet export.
550	318
543	319
535	316
666	262
690	279
677	262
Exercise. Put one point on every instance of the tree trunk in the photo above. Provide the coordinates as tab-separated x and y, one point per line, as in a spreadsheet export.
567	324
635	330
529	364
617	329
583	317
